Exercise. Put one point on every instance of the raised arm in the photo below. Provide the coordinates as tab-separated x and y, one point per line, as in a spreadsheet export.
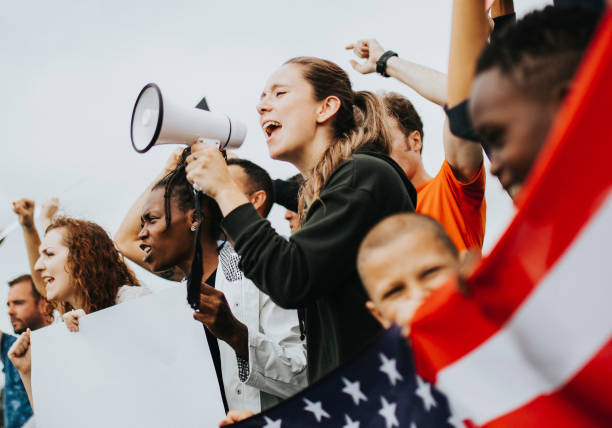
24	208
49	209
427	82
469	33
126	237
502	8
20	356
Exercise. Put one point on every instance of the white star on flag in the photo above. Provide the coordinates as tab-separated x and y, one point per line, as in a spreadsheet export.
413	425
272	424
388	367
388	412
424	391
316	409
350	423
352	389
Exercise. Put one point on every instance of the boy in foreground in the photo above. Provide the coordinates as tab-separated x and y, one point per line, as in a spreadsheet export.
402	260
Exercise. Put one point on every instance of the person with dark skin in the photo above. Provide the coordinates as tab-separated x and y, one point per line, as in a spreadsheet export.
260	354
521	79
166	242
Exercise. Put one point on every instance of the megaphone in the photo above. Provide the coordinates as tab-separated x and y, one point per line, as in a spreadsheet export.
156	120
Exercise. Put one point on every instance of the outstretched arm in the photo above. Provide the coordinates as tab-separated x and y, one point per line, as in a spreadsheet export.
469	33
427	82
24	208
126	237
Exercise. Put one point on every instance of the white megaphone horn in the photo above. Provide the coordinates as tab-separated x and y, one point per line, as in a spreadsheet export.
156	120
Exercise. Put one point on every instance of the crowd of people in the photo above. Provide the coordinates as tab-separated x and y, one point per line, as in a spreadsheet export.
373	234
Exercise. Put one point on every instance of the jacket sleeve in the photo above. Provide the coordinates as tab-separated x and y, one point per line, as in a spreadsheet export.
277	355
318	257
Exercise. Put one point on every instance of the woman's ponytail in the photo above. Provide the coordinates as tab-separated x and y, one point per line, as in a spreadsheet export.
360	120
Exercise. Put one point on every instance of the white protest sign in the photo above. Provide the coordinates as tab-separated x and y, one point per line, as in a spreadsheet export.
143	363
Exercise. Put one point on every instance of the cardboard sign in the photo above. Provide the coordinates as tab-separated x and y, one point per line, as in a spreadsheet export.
142	363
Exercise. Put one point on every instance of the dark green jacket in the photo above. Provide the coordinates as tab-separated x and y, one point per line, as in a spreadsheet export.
315	270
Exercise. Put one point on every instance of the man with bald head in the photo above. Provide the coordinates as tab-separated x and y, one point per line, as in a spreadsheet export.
401	261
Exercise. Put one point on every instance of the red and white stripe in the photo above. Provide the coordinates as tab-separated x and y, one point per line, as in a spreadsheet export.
532	344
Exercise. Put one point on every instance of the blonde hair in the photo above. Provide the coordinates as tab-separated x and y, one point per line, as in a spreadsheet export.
360	120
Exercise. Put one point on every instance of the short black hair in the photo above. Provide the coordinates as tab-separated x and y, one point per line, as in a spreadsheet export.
175	185
259	179
543	50
23	278
401	109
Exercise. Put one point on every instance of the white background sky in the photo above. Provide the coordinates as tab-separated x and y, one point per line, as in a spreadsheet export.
71	72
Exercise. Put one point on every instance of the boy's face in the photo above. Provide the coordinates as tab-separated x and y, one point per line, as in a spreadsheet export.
401	275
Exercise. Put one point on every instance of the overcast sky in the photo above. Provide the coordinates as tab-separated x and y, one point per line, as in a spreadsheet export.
71	72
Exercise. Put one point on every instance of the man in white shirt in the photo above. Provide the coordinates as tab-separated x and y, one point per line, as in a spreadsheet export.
276	365
276	368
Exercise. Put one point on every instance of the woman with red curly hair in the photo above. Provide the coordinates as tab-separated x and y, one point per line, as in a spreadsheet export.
82	269
83	272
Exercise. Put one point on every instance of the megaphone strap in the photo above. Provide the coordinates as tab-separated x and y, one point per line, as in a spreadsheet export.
195	274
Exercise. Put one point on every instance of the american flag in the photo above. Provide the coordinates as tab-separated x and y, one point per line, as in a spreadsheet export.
378	389
533	344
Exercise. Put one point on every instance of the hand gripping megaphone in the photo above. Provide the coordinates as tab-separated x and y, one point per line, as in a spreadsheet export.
156	120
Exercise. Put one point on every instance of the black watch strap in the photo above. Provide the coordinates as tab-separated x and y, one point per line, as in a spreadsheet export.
381	64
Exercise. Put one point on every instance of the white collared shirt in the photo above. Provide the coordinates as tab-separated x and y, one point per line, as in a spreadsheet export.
277	356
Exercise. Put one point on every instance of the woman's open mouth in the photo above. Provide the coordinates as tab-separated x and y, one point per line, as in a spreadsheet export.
270	127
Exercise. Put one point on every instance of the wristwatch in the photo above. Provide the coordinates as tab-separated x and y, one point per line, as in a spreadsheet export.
381	64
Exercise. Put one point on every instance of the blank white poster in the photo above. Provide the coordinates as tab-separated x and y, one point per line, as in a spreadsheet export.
142	363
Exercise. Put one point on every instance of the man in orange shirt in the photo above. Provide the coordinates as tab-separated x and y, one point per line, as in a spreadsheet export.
455	196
